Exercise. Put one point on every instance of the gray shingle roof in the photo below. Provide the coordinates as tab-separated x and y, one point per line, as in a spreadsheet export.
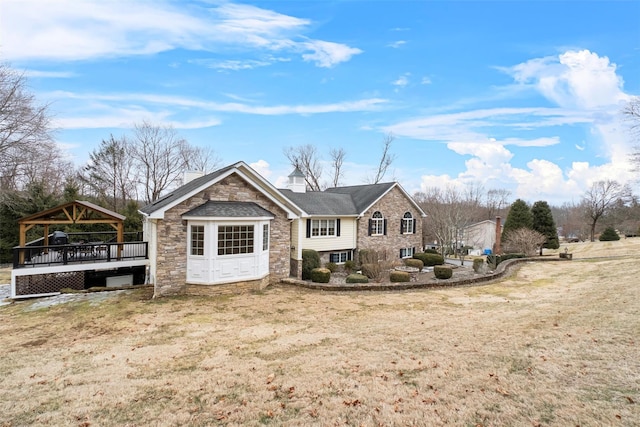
182	191
221	209
363	196
322	203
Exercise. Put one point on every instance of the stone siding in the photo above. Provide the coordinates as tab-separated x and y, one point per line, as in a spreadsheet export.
171	269
227	288
393	207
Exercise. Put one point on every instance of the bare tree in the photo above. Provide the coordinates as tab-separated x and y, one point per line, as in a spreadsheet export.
386	160
524	240
200	159
24	127
599	199
159	151
449	212
631	113
497	201
306	158
111	172
337	159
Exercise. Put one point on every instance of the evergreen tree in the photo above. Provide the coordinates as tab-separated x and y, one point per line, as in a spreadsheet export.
608	235
519	216
543	223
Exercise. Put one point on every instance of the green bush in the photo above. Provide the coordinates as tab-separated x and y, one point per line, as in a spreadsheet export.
372	271
431	251
331	266
442	272
415	263
493	260
477	264
399	276
320	275
429	260
357	278
310	260
609	235
349	266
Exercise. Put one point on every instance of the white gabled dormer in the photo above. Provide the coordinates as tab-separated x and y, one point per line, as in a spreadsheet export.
297	182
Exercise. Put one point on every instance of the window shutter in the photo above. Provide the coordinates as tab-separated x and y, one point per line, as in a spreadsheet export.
350	255
338	227
400	253
370	225
401	225
414	226
385	227
413	249
308	228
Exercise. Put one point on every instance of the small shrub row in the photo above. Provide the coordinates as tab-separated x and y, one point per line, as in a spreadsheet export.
442	272
414	262
399	276
495	260
429	260
320	275
357	278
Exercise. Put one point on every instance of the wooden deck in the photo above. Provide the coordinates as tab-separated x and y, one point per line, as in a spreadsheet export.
97	252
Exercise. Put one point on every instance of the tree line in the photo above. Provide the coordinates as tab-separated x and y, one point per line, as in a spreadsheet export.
126	171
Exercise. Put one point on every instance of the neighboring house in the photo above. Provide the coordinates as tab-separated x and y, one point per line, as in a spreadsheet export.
233	228
481	236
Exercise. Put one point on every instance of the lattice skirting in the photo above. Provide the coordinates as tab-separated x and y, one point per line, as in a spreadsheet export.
49	283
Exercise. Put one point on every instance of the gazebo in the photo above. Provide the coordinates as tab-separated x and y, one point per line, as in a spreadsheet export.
76	212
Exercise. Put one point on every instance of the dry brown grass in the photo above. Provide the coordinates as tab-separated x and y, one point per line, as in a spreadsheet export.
5	275
556	344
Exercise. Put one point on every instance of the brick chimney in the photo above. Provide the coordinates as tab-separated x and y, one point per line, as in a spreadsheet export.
497	249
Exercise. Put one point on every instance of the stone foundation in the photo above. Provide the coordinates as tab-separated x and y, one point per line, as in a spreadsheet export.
227	288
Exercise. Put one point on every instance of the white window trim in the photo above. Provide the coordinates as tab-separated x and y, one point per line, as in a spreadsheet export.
348	254
326	227
407	223
407	250
377	224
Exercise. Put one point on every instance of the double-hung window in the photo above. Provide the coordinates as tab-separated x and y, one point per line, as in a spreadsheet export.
235	239
408	224
323	227
340	257
377	224
407	252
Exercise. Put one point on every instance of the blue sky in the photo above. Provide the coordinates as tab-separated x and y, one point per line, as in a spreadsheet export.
520	95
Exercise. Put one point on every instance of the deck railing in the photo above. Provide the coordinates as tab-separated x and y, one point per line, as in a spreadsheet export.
35	256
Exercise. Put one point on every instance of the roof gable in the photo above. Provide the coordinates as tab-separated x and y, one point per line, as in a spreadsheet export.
157	208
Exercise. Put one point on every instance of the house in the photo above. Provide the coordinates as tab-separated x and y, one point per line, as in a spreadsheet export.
232	230
481	236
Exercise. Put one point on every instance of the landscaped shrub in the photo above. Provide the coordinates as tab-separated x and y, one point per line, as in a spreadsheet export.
349	266
310	260
399	276
320	275
368	256
429	260
357	278
477	264
609	235
331	266
493	260
415	263
442	272
431	251
372	271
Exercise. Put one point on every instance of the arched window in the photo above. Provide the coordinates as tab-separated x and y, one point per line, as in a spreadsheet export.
408	224
377	224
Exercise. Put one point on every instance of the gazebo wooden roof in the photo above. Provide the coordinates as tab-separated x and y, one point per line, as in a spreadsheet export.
76	212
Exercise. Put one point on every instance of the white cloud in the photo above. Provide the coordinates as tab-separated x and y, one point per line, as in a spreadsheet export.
328	54
50	74
401	81
425	81
397	44
71	30
262	167
586	90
